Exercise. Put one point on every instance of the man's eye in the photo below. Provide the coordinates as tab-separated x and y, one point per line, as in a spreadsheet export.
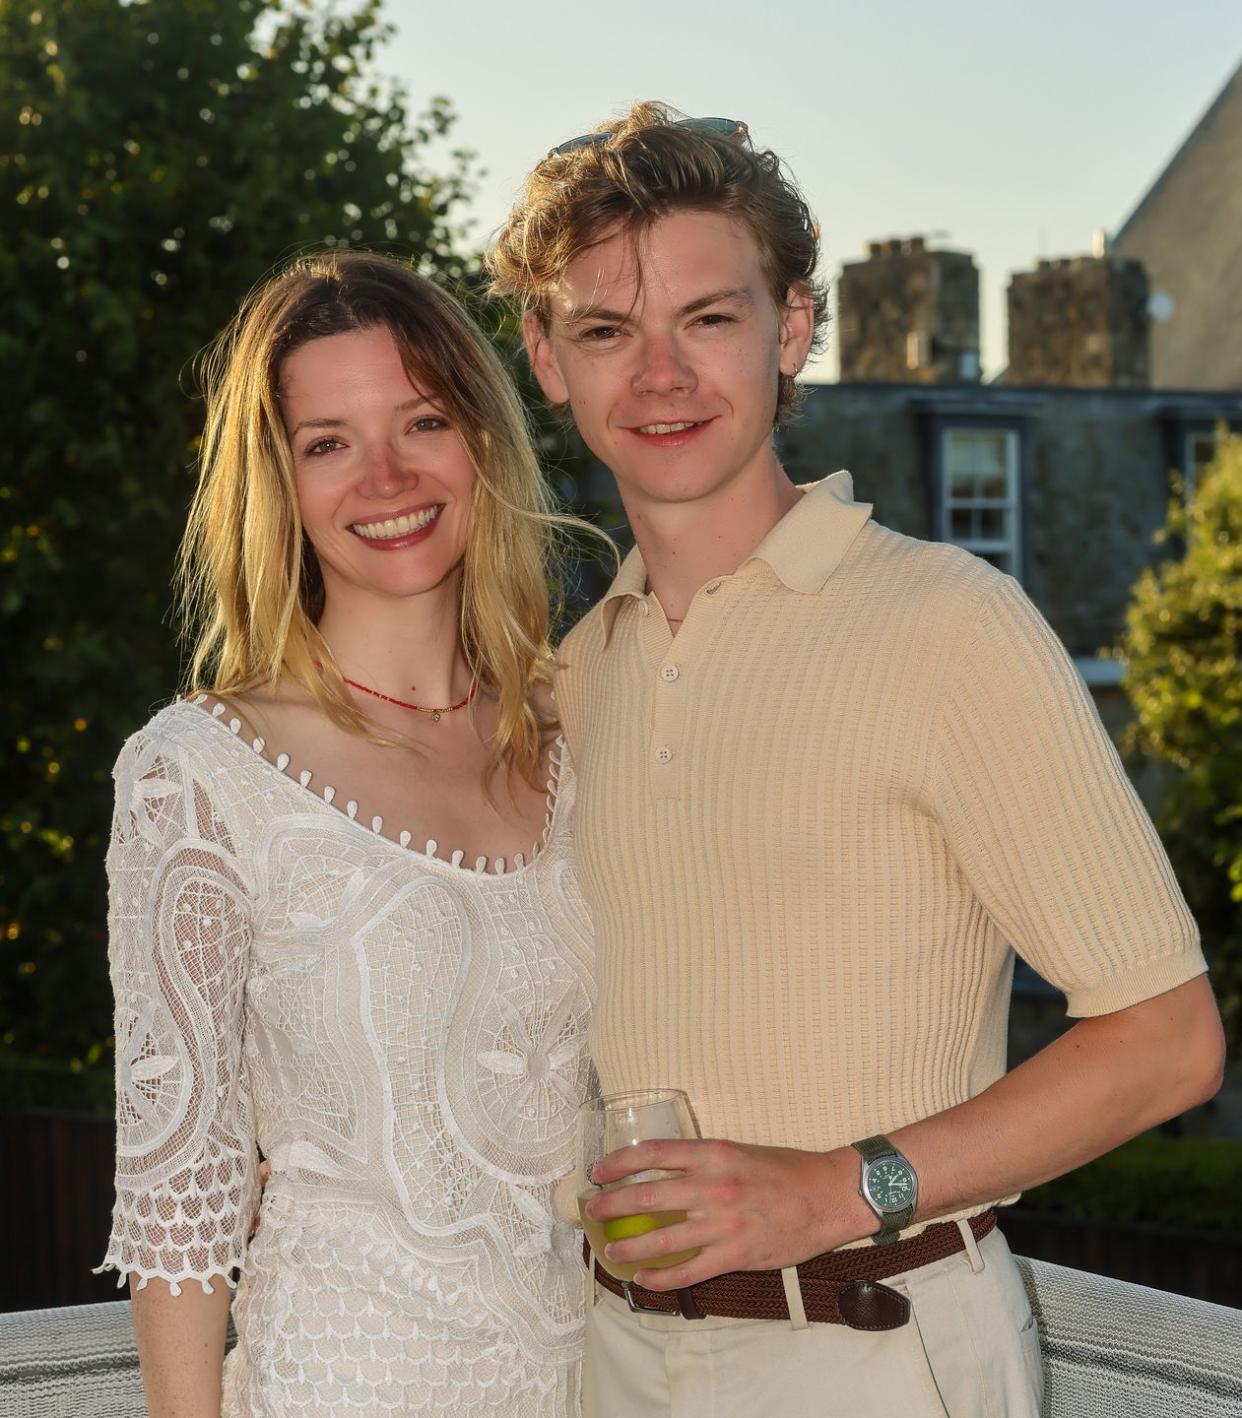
599	333
713	318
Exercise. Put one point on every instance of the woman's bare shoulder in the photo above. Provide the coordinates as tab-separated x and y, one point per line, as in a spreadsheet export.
270	712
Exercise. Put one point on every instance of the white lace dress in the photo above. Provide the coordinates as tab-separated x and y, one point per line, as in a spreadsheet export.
402	1036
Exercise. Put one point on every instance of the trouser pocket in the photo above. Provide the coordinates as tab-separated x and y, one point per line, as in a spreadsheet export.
978	1334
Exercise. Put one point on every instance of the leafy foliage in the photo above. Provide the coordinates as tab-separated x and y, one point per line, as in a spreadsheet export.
1152	1180
1183	653
156	158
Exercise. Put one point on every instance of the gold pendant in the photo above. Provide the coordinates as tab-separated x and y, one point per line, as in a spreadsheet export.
435	716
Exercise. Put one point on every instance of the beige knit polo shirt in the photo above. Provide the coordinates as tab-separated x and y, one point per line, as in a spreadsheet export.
815	825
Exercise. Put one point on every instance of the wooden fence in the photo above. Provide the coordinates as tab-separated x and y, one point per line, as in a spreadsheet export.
1205	1264
56	1201
55	1209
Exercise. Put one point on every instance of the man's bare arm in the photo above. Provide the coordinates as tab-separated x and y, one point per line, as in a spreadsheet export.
755	1208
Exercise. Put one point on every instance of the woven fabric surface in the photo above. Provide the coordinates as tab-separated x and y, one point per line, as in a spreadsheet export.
1116	1350
77	1360
1111	1350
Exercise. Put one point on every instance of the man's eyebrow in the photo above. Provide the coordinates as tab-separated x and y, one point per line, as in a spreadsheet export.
407	407
738	295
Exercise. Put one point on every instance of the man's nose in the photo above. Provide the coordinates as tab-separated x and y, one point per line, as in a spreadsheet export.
664	368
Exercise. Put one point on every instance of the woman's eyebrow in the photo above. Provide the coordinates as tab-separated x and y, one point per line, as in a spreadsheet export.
405	408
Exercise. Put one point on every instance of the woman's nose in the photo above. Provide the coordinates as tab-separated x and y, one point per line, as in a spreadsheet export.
384	472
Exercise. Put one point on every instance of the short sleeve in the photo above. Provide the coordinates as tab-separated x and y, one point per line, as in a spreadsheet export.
179	932
1044	823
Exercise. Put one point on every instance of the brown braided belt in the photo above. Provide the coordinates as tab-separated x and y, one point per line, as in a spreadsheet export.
838	1287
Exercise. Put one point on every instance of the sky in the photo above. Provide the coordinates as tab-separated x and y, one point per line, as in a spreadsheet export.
1008	131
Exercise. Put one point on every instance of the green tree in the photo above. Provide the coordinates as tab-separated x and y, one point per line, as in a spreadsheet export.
1183	648
156	158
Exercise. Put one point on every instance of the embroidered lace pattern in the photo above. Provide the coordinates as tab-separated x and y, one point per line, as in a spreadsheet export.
404	1039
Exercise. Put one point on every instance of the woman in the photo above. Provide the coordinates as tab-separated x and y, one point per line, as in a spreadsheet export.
344	926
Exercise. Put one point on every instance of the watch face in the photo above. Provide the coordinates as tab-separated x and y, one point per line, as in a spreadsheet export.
890	1183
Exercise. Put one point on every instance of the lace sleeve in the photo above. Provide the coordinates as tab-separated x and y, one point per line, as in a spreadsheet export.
179	940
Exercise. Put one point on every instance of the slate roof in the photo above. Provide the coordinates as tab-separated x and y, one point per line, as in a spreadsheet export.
1187	231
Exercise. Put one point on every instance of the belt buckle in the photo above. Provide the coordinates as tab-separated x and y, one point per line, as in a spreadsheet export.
636	1306
687	1305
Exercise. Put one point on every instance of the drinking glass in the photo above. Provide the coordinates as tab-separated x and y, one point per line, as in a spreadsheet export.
621	1120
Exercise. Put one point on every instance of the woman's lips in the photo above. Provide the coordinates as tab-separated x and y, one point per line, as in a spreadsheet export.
393	538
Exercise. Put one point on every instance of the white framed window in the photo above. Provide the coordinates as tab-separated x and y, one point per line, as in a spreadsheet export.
980	509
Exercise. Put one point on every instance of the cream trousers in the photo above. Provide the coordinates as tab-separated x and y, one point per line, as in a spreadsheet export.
970	1350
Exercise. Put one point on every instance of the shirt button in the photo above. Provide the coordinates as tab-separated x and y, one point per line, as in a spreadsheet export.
670	673
664	754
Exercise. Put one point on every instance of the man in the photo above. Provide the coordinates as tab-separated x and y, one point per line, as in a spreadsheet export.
831	778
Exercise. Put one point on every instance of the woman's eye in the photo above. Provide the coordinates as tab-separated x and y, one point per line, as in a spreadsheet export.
429	423
321	446
597	334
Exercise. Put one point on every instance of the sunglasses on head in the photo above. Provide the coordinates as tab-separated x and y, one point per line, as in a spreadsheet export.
722	127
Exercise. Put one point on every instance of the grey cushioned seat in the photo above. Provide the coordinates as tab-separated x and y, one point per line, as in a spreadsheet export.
79	1360
1116	1350
1111	1350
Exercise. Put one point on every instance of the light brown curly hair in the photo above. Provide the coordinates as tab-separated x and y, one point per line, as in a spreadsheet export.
648	165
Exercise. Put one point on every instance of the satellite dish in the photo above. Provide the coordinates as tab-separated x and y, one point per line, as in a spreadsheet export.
1160	306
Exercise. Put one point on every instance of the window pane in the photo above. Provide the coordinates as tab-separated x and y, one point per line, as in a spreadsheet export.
980	494
961	523
977	463
993	523
1202	451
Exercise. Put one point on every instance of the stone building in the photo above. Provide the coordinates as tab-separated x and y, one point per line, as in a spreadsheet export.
909	313
1063	488
1080	322
1187	232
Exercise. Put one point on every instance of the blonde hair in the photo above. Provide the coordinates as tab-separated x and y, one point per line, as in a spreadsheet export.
250	588
644	167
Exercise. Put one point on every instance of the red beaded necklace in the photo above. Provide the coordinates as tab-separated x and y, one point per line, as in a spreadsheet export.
436	714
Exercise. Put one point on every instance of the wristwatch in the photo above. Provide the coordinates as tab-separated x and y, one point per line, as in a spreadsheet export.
889	1186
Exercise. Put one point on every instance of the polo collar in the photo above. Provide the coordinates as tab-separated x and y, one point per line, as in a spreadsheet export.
807	545
804	548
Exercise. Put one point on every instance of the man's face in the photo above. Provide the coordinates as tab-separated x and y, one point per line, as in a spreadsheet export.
668	351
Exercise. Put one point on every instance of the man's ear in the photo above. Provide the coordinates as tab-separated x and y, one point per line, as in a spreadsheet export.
543	358
797	328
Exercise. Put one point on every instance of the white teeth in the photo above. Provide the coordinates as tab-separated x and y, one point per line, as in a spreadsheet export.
667	427
396	526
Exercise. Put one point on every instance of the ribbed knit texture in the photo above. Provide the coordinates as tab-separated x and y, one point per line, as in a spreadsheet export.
868	793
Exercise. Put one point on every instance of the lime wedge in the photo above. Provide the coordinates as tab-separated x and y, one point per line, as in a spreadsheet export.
621	1227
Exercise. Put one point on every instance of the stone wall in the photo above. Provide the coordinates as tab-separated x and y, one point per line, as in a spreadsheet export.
907	313
1081	322
1095	483
1096	492
869	430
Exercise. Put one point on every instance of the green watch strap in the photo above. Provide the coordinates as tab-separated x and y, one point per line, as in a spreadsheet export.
892	1223
873	1148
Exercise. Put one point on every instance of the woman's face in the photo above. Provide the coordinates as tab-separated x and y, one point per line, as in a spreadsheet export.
384	482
